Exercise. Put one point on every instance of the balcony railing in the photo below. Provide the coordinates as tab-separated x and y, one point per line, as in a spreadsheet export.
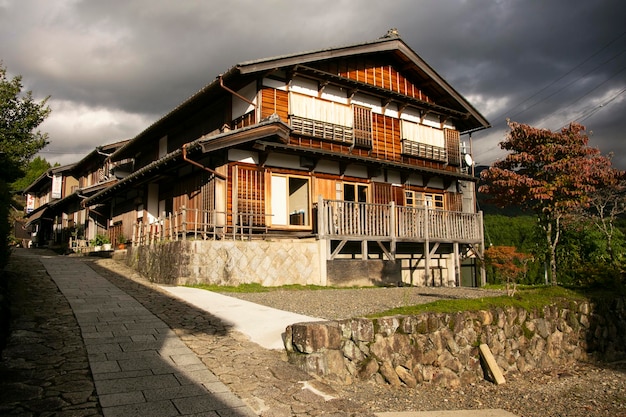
320	129
350	220
422	150
335	220
200	225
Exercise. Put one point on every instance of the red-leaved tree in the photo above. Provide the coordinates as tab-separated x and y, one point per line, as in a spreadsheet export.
508	263
549	173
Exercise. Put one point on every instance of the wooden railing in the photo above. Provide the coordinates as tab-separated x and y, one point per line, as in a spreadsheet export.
422	150
200	224
335	220
321	129
350	220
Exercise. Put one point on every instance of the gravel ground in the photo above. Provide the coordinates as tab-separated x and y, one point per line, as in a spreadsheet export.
584	390
337	304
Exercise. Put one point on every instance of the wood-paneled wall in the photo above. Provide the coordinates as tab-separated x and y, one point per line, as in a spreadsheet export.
376	73
274	101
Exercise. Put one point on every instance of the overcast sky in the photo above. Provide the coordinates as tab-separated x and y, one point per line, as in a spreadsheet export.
112	68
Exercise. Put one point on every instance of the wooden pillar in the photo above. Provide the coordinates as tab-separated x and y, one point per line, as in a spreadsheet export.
457	264
427	245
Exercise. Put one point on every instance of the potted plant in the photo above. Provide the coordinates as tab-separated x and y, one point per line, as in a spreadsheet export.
101	242
121	242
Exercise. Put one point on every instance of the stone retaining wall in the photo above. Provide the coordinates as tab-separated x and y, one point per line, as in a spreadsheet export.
443	348
270	263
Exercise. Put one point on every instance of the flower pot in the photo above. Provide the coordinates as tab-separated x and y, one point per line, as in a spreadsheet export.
106	246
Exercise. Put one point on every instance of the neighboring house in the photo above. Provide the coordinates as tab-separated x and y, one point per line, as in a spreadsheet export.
358	148
52	186
60	218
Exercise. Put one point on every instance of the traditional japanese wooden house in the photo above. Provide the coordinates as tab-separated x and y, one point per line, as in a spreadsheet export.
358	148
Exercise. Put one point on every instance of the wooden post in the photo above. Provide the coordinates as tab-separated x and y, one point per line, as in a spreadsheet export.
393	227
321	221
457	264
481	231
184	222
427	245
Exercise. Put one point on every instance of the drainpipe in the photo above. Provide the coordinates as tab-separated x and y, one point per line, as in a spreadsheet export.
239	96
217	174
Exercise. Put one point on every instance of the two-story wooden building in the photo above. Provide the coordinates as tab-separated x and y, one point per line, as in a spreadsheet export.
358	148
55	211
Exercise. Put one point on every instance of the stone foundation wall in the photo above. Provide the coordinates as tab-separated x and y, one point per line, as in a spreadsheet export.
443	348
270	263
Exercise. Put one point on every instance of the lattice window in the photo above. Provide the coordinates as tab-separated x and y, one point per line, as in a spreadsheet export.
251	195
362	127
453	146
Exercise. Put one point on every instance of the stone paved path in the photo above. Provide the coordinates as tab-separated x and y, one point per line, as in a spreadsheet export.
44	368
142	352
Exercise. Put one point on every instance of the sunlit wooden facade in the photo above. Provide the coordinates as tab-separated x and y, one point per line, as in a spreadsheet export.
359	147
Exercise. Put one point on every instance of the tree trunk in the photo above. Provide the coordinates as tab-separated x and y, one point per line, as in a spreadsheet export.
552	239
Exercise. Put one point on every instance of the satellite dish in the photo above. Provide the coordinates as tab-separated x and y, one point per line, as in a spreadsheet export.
468	160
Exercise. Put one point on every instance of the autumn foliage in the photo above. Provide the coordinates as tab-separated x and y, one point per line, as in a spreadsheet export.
508	263
552	174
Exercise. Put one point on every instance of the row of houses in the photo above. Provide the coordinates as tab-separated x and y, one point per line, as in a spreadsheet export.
364	149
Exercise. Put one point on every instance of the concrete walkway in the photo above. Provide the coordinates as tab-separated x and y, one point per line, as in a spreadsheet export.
265	326
140	367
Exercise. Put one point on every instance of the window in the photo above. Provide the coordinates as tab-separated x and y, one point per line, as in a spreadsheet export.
362	127
353	192
417	199
290	201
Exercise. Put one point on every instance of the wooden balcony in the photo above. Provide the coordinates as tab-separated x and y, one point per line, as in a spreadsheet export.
336	220
345	220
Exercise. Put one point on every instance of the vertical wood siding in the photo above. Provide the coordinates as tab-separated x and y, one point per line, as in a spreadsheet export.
378	74
274	101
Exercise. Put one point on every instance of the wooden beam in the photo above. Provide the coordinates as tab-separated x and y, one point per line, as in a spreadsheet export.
338	249
389	254
492	366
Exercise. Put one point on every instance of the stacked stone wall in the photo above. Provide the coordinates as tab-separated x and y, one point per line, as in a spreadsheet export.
443	348
270	263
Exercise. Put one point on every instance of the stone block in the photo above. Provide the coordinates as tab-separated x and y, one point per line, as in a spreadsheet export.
390	375
406	376
387	325
362	330
368	369
315	336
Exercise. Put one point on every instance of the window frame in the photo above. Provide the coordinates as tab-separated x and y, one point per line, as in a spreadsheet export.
291	213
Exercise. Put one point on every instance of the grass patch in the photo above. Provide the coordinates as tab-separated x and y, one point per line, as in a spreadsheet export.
529	299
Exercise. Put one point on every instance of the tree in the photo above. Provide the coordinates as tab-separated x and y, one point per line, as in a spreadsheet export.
20	115
549	173
509	263
606	203
32	171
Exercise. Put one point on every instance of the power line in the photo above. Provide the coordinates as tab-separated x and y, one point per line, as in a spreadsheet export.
562	76
599	107
574	81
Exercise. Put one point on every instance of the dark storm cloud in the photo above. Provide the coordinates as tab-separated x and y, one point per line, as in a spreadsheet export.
114	67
